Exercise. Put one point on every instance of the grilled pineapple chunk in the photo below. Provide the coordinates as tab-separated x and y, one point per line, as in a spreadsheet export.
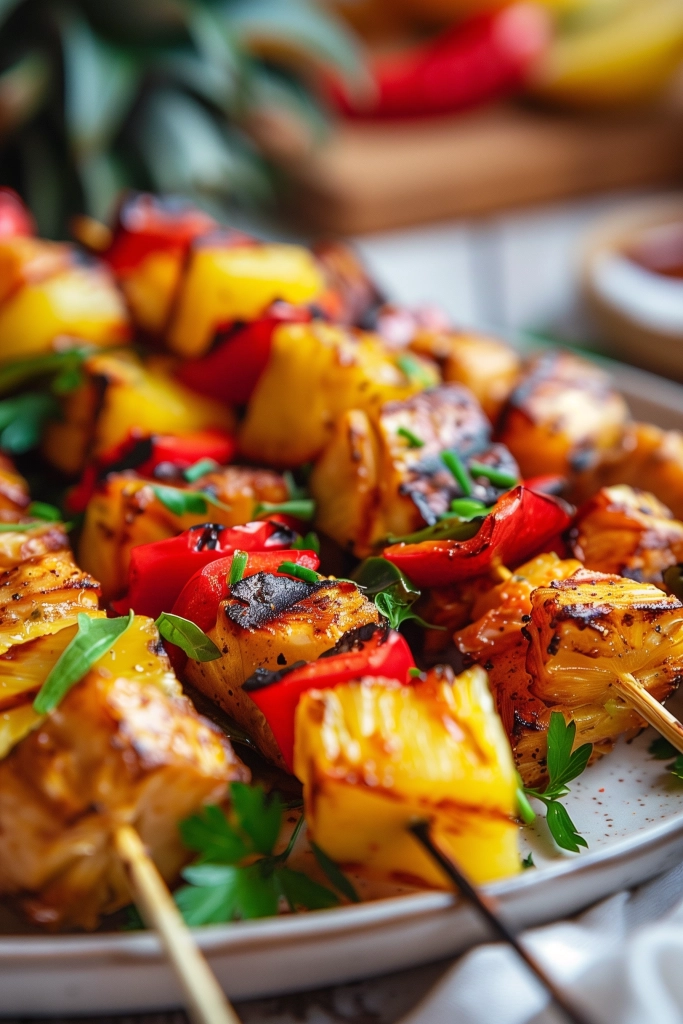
315	373
125	511
124	746
269	622
121	395
375	756
487	366
42	539
563	417
48	293
627	532
384	475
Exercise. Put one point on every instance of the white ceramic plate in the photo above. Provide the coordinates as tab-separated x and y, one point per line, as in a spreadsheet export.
628	808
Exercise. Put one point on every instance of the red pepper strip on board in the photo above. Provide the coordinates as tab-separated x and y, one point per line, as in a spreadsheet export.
277	694
145	453
159	571
485	57
15	219
520	525
230	371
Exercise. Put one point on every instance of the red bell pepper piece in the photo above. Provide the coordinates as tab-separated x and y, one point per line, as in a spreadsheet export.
203	593
386	656
230	371
15	219
159	571
520	525
486	57
147	223
144	453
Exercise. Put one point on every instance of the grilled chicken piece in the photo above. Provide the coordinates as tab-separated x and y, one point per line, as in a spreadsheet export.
375	756
48	292
373	481
121	395
125	511
124	746
627	532
267	623
42	596
650	458
14	496
563	417
487	366
315	373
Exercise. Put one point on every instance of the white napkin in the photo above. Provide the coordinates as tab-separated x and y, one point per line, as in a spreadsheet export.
622	961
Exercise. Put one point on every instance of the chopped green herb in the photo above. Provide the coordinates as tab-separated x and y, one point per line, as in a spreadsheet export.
295	492
498	477
416	673
300	571
22	418
413	440
19	527
41	510
239	564
187	636
335	875
677	767
182	503
416	371
469	508
66	366
661	749
391	590
449	527
455	465
528	862
308	543
563	766
200	468
397	611
524	808
221	885
300	508
92	641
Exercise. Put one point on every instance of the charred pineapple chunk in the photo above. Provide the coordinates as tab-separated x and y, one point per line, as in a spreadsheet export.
123	747
385	476
126	511
487	366
374	756
563	417
121	395
48	292
44	538
268	622
627	532
315	373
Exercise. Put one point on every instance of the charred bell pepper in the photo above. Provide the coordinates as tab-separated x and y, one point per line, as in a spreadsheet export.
159	571
385	655
520	524
146	453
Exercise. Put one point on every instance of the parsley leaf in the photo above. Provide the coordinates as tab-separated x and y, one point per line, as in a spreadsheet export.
92	641
563	767
187	636
210	833
335	875
259	816
661	749
528	862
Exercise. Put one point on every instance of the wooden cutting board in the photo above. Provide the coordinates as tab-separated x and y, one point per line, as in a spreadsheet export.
370	177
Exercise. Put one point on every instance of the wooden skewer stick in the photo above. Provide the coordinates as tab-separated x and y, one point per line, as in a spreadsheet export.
489	912
654	713
204	998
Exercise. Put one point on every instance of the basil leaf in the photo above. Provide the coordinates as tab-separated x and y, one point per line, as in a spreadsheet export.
200	468
335	874
187	636
93	639
562	828
179	502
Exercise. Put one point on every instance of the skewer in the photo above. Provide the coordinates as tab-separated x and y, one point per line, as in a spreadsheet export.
204	998
654	713
487	908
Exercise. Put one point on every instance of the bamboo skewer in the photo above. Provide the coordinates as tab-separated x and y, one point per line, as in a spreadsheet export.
204	998
488	910
654	713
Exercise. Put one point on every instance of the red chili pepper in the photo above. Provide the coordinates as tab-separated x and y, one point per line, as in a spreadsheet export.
232	368
520	525
486	57
388	657
159	571
15	219
145	453
202	594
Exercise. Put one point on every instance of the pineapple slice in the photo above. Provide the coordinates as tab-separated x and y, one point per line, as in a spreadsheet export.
315	373
628	532
124	746
375	756
267	623
125	511
563	417
385	475
121	395
44	538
